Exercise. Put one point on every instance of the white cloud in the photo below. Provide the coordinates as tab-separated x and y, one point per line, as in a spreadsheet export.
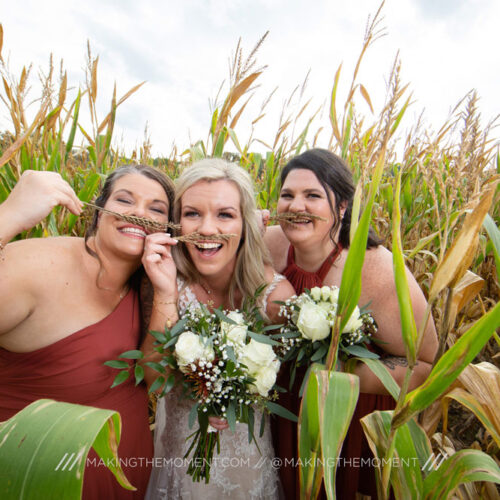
182	50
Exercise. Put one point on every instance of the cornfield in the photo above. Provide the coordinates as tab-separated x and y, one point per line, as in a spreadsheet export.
429	184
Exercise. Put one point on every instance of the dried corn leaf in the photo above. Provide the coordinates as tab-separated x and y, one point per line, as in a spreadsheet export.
459	257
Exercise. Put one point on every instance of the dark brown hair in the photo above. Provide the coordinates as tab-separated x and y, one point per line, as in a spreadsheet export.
335	176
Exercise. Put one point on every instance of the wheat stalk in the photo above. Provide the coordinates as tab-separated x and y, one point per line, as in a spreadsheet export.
196	237
139	221
293	216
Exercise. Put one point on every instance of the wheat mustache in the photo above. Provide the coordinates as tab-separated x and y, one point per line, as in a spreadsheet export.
294	216
138	221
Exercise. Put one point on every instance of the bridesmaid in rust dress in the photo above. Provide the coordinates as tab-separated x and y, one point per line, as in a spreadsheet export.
312	252
69	304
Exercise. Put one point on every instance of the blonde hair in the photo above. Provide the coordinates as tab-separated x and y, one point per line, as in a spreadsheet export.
252	254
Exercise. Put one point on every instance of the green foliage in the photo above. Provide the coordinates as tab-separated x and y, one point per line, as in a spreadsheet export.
49	441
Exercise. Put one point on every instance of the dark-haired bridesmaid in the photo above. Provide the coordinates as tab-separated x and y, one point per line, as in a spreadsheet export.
312	252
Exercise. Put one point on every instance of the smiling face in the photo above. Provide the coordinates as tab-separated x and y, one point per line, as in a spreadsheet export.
212	208
302	192
132	194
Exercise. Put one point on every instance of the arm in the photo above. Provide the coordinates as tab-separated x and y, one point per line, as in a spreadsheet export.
379	288
160	267
31	200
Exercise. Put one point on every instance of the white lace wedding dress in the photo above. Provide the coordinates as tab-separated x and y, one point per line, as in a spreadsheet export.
240	471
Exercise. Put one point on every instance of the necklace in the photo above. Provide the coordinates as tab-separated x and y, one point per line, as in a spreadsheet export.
205	288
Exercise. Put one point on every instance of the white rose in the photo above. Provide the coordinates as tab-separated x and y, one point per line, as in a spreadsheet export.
334	295
265	378
237	317
326	292
313	323
316	293
190	348
326	306
354	322
256	355
235	333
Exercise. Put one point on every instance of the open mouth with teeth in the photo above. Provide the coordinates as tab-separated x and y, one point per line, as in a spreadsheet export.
208	248
134	231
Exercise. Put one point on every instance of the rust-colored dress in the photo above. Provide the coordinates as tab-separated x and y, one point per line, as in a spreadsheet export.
351	477
72	370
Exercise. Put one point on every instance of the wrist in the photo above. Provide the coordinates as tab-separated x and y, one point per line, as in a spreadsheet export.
9	225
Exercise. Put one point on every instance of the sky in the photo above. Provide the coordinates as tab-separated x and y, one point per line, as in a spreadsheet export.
181	49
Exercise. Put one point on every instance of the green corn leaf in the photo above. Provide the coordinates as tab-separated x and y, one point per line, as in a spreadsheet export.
380	371
450	365
340	392
462	467
350	288
72	132
494	234
310	470
405	467
219	146
408	326
44	447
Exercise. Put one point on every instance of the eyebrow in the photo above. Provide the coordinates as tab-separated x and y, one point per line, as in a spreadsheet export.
190	207
123	190
314	190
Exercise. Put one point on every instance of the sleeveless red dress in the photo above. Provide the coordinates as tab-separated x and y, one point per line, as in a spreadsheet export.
72	370
351	477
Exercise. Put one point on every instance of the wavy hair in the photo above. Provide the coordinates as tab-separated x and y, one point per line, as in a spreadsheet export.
252	252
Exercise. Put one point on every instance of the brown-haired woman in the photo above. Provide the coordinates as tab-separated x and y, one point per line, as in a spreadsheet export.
67	305
312	252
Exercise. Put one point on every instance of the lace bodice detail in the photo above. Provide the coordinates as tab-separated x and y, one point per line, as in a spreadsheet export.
187	297
240	471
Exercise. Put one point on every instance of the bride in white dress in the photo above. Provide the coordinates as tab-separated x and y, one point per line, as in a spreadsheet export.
212	197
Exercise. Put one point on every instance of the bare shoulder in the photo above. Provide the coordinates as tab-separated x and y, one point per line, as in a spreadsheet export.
39	256
280	291
377	267
277	244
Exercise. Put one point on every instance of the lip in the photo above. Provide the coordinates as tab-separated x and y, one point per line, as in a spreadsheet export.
138	235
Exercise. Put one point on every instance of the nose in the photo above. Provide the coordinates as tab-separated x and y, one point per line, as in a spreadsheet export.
207	226
139	210
297	204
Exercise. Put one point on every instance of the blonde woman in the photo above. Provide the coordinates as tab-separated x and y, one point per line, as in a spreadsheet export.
212	197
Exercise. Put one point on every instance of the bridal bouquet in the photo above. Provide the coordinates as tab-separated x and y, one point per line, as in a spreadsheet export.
311	317
229	367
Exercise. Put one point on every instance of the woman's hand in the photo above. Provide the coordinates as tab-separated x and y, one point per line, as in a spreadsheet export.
159	264
263	217
218	423
34	196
